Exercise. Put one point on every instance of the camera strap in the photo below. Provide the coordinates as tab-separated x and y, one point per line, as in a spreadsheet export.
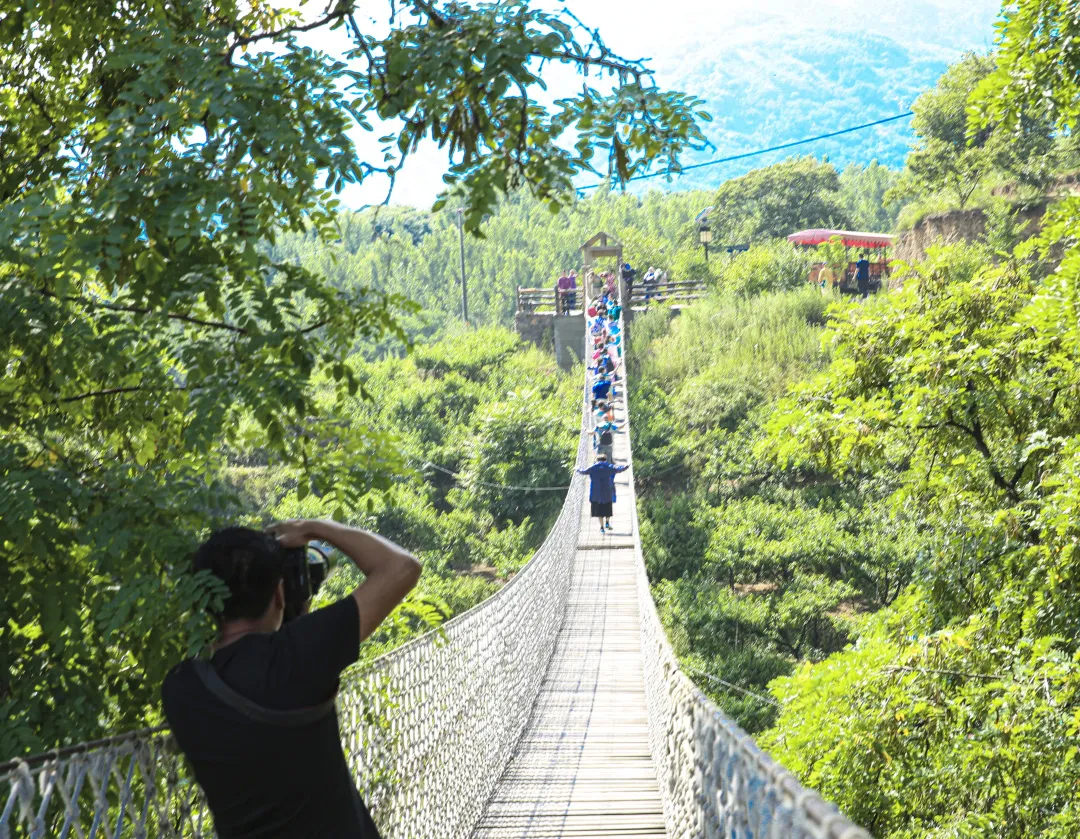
254	711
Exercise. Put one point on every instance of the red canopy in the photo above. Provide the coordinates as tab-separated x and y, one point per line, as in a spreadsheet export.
852	240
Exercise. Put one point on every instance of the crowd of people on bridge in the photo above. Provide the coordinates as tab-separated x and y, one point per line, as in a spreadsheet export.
601	286
605	346
597	285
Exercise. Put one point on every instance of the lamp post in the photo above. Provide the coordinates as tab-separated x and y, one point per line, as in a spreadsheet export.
461	254
705	237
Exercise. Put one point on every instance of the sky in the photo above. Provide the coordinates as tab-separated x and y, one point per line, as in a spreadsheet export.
688	29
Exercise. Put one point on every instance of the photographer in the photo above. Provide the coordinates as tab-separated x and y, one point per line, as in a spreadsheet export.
257	721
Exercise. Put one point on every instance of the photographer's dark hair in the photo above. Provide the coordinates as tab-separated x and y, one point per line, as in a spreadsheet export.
251	563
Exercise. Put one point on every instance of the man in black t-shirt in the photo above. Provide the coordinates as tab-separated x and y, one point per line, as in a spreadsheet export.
270	760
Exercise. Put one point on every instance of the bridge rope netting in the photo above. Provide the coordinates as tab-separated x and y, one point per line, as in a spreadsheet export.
430	728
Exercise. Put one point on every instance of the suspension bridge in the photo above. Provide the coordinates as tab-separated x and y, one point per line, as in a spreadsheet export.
556	708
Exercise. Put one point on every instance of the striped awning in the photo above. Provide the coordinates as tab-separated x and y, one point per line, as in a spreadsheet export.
852	239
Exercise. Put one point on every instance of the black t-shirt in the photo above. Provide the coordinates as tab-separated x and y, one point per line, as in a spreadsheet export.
265	781
862	270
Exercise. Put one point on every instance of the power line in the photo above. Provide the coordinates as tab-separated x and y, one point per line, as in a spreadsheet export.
743	156
720	681
457	476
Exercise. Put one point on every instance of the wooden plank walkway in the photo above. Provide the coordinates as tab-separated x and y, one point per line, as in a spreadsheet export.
583	766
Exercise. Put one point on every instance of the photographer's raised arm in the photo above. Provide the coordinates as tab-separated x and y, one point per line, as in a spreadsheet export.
390	571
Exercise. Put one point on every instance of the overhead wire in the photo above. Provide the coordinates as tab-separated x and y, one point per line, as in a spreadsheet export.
716	162
457	476
720	681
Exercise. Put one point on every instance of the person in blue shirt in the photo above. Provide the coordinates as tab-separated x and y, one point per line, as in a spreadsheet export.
862	274
604	438
601	390
602	489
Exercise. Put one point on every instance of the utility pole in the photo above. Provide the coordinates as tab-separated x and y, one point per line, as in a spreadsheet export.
461	253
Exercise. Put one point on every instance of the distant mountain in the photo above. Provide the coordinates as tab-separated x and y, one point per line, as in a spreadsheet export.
772	83
772	71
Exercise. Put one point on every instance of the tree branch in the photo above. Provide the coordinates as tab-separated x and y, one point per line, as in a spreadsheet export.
112	391
976	434
141	310
619	65
896	668
313	327
431	12
342	9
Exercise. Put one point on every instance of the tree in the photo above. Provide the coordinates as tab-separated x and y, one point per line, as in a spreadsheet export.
148	154
956	713
765	267
953	385
1038	68
862	192
956	156
777	200
945	157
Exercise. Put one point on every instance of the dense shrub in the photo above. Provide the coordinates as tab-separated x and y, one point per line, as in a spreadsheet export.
775	265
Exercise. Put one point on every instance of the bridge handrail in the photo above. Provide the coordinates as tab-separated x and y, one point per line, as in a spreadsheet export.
410	721
640	284
714	780
463	696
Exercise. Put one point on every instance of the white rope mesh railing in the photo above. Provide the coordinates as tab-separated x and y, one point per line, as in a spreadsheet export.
714	781
133	786
450	713
428	728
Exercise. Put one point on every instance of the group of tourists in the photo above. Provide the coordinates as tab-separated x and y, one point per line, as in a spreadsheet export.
597	285
862	280
605	346
651	282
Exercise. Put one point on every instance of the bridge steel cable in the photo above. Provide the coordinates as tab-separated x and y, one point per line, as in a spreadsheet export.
432	729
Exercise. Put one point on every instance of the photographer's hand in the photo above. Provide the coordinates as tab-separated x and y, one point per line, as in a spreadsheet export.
294	533
389	570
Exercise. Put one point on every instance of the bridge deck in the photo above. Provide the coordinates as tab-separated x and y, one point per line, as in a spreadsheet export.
583	767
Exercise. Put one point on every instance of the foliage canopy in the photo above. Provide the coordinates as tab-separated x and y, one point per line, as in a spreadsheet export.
150	157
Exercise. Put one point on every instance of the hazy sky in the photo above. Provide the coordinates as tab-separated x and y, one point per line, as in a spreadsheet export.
667	30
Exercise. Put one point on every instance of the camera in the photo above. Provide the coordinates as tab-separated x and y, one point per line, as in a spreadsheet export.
305	569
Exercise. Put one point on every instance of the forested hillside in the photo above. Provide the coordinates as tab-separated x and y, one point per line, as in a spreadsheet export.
402	251
772	72
787	83
465	414
860	516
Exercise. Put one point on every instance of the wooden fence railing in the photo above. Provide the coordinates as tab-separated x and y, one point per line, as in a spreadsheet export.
548	300
681	291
